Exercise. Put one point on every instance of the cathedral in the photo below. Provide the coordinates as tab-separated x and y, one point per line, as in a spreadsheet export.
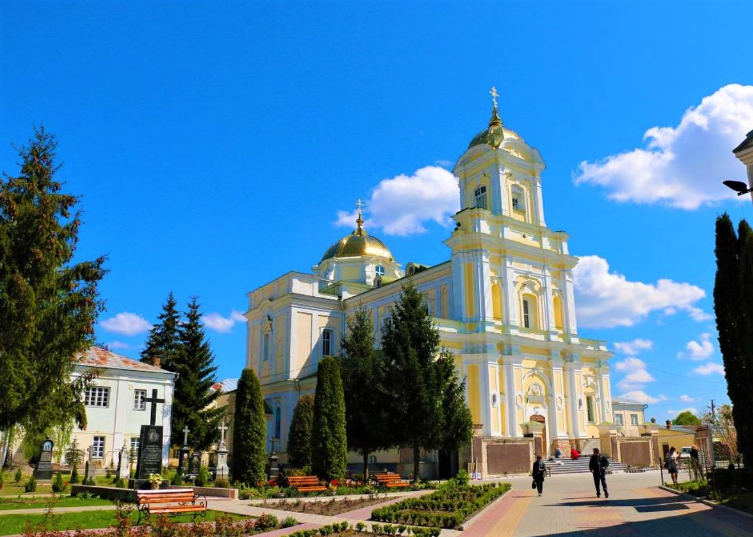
503	302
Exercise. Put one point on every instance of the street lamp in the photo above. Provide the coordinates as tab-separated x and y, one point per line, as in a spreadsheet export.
738	186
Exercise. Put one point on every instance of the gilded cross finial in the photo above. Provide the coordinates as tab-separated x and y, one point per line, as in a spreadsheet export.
495	121
494	95
359	220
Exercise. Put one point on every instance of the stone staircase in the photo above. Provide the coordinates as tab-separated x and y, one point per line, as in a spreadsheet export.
580	466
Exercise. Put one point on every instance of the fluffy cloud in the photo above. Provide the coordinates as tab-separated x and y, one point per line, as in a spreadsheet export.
686	399
698	350
635	374
403	204
709	368
681	166
126	323
607	299
642	397
118	345
674	413
634	347
221	324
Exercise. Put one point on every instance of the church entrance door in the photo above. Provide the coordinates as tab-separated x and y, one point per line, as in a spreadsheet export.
543	447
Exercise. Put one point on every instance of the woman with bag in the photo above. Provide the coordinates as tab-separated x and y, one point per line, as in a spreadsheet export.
670	463
538	471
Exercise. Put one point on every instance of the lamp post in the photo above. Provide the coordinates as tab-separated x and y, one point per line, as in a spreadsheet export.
738	186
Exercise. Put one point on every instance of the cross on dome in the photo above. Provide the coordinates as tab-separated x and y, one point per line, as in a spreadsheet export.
494	96
359	220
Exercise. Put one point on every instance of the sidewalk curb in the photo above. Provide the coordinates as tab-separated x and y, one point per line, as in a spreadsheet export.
706	502
471	521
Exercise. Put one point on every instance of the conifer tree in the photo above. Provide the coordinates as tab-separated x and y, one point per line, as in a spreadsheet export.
194	363
299	436
362	368
162	342
48	304
329	445
457	424
249	431
742	374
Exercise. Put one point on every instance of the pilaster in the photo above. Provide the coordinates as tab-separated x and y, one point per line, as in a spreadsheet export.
512	364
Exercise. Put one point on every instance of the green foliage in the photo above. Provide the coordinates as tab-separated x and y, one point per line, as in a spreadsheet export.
222	483
194	398
463	478
121	483
686	418
162	342
2	480
456	428
329	448
288	522
74	476
58	485
363	375
299	435
31	485
18	476
266	521
203	478
176	479
48	304
250	431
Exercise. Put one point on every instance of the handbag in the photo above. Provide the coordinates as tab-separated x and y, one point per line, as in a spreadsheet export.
533	485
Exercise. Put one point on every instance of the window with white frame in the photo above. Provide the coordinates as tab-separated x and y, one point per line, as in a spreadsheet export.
618	419
98	447
379	270
590	409
265	347
518	201
327	342
139	402
526	313
97	396
480	194
135	445
633	419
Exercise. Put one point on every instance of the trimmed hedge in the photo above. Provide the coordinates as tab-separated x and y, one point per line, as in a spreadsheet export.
448	507
377	529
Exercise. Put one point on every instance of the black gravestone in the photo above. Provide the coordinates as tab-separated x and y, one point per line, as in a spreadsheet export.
44	466
150	451
195	464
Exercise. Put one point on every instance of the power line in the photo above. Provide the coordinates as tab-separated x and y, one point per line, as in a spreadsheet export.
683	376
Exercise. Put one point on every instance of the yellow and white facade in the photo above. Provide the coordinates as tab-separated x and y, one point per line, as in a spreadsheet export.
503	302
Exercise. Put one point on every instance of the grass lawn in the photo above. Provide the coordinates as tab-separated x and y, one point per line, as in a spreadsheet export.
7	504
13	524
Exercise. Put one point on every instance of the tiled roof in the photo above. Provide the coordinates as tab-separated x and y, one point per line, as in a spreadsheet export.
99	357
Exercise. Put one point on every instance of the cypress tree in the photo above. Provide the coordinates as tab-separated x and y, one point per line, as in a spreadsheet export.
249	431
48	304
411	344
329	445
362	369
194	363
299	436
162	342
742	375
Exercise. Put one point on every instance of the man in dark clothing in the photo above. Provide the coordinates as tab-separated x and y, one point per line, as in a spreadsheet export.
538	471
598	466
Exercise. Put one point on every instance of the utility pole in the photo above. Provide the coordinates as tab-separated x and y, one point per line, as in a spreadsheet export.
712	407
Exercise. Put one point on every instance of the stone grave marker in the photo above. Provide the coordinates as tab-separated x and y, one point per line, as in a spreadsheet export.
44	466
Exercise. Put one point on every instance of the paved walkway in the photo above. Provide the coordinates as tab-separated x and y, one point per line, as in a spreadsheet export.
636	508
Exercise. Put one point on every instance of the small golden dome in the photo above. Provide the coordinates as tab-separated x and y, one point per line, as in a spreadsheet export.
495	133
358	243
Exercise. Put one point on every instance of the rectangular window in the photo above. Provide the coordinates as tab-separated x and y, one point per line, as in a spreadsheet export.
618	419
97	396
526	315
590	409
516	203
634	419
98	447
327	343
135	444
265	349
138	399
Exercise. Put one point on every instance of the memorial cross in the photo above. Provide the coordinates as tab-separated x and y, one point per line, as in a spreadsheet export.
186	430
222	429
153	399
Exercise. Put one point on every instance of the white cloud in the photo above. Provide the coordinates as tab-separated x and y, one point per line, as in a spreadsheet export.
674	413
681	166
634	347
126	323
697	314
698	350
709	368
642	397
607	299
118	345
221	324
403	204
686	399
635	374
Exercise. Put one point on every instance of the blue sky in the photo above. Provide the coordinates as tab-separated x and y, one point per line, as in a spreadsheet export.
216	143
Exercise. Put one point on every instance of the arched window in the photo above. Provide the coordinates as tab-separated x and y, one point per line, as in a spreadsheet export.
590	409
527	313
480	194
278	422
327	342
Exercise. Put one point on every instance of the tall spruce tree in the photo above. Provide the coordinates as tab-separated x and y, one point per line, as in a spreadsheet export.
249	431
299	436
457	424
411	344
329	444
48	304
194	363
362	369
162	342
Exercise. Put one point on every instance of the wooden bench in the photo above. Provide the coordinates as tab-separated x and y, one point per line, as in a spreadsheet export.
306	483
170	501
390	480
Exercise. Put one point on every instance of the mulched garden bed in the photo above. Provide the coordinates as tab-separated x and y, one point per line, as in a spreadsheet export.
331	507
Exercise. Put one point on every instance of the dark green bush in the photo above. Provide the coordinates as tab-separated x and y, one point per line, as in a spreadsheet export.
31	485
17	478
289	522
266	521
58	485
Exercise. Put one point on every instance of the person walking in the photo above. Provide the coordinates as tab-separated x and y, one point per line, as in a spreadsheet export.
598	466
538	471
670	463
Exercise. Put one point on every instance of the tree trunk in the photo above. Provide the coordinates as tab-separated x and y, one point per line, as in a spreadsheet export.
416	461
365	466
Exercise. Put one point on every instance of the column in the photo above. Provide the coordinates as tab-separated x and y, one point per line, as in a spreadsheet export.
539	201
568	295
602	381
573	394
555	371
458	284
511	365
509	297
548	299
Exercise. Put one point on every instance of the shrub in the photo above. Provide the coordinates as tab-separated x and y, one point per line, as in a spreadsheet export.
31	485
176	479
74	476
222	483
266	521
204	478
360	526
17	478
463	478
58	485
121	483
289	522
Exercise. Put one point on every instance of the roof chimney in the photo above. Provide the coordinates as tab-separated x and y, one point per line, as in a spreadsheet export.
669	424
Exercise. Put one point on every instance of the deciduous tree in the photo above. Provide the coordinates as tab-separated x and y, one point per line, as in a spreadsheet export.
686	417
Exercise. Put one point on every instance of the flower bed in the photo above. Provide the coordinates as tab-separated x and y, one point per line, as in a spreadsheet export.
448	507
322	507
342	529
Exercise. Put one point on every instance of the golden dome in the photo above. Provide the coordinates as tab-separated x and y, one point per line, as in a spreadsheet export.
358	243
494	134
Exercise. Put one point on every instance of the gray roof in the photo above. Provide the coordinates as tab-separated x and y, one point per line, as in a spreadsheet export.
748	142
